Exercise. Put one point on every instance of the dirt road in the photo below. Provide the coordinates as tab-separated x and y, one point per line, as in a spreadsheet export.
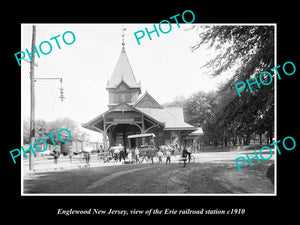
204	177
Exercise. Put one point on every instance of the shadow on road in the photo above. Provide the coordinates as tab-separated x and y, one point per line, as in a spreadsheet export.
220	177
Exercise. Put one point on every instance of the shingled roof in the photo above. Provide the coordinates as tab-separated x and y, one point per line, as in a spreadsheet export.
123	72
172	117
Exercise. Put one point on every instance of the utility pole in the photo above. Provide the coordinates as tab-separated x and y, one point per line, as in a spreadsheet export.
32	97
32	100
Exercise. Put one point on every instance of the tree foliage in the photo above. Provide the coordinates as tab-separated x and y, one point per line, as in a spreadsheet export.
252	47
43	128
223	115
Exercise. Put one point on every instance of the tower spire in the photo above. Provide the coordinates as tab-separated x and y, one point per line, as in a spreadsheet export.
123	43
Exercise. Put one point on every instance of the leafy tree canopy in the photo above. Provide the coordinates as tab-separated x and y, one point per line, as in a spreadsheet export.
224	115
44	128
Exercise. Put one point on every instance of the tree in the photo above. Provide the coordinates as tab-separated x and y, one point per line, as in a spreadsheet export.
56	125
40	129
44	128
249	49
198	108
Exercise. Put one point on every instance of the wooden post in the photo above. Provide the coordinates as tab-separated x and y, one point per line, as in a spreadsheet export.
32	100
142	131
104	134
143	124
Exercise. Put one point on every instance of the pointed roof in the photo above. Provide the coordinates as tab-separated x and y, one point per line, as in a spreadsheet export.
123	72
147	101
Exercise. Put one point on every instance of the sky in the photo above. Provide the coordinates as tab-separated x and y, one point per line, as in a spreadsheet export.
165	66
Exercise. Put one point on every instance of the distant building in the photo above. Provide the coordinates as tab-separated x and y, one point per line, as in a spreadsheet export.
129	113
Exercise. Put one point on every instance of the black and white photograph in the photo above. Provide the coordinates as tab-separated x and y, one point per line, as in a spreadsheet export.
178	109
140	114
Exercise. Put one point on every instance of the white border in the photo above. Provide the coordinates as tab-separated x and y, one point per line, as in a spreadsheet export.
166	194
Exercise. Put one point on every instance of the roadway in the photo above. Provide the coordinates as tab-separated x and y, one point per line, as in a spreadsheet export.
212	173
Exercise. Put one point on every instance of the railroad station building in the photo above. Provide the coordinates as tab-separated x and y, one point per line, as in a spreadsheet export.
131	112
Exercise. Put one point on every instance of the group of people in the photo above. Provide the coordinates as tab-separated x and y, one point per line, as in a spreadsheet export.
185	155
133	155
160	155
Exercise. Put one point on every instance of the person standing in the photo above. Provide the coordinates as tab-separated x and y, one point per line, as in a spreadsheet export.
116	154
137	155
70	153
87	158
168	154
122	153
189	152
87	154
159	155
184	155
55	154
98	154
129	156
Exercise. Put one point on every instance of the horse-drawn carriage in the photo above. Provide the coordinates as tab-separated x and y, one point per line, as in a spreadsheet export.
146	146
113	153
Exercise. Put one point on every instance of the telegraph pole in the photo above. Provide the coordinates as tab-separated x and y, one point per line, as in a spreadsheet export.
32	100
32	96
